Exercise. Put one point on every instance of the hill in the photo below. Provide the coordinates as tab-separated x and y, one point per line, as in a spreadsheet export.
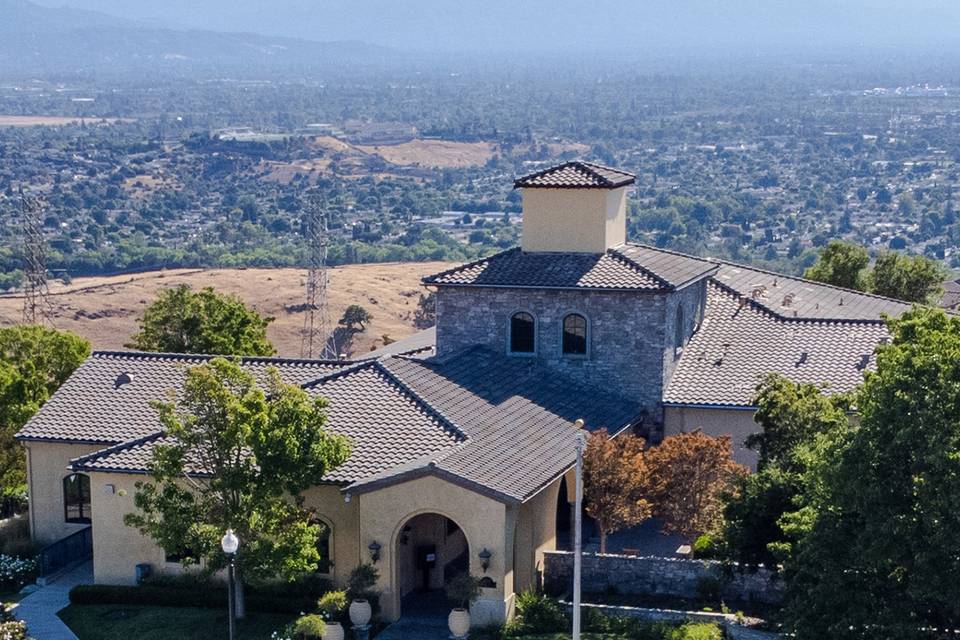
105	309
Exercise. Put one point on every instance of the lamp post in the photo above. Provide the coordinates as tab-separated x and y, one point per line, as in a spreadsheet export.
577	528
230	543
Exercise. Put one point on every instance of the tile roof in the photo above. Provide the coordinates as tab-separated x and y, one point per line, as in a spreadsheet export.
740	342
577	175
627	266
92	408
420	343
790	297
499	425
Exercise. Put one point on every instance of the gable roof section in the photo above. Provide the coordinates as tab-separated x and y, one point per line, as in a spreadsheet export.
740	342
91	408
576	174
626	267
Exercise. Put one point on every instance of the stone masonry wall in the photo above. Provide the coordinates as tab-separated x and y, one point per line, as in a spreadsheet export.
630	333
667	577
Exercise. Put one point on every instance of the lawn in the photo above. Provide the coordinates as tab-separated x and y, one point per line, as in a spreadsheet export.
125	622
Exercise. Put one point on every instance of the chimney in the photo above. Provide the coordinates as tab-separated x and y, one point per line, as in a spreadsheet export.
576	207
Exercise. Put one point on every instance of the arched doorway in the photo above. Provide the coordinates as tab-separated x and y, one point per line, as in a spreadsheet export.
431	550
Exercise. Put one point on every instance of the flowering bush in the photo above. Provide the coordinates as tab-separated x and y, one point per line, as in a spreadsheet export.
16	572
13	631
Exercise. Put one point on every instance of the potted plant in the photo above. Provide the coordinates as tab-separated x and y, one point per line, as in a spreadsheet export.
360	591
309	627
331	607
463	590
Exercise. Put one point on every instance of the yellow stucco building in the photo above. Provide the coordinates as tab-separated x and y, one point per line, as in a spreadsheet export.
462	437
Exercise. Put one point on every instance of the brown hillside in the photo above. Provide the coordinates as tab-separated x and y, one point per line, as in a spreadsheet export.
105	309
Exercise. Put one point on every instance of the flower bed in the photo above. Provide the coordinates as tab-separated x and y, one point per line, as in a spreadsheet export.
16	572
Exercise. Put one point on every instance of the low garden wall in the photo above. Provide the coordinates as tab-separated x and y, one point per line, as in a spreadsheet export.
662	578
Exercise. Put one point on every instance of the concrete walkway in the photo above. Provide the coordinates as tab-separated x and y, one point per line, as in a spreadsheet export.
417	628
39	609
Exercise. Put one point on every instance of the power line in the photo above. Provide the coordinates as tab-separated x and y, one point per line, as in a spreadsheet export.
37	307
317	338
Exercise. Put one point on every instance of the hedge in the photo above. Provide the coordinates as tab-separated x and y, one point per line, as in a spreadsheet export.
208	597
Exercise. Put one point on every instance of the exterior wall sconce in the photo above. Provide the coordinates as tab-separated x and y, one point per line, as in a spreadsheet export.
485	559
374	548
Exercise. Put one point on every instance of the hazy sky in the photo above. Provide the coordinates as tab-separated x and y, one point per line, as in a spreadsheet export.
542	25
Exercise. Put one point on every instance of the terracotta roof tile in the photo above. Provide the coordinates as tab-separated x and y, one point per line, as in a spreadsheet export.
576	175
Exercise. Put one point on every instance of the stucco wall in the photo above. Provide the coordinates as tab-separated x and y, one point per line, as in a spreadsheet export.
536	533
46	468
585	220
342	517
384	513
737	423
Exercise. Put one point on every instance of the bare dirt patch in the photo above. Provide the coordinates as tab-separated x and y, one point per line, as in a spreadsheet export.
54	121
105	309
434	153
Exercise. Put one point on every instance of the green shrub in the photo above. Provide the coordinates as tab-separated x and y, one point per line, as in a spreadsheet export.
706	547
463	589
212	596
309	627
333	605
696	631
536	613
360	586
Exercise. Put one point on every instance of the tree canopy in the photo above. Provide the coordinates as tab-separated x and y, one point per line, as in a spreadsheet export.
354	316
910	278
34	362
233	455
181	320
840	264
880	557
616	482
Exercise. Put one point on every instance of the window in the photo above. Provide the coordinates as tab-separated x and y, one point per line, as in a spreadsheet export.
522	333
678	337
575	335
323	546
76	498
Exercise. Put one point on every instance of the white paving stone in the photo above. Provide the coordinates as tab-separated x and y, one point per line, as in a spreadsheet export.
39	609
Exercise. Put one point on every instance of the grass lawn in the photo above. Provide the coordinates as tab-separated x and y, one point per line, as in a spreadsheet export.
128	622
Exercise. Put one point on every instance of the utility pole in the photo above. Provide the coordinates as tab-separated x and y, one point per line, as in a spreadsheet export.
36	293
318	340
578	528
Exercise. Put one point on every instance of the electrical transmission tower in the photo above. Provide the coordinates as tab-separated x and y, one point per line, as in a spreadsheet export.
318	340
37	308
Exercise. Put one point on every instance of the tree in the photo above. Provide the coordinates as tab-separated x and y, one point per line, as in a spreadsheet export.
880	559
840	264
184	321
34	362
691	472
909	278
232	456
616	482
426	314
355	315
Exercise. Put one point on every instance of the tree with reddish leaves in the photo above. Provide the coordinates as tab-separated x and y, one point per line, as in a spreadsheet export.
690	473
616	482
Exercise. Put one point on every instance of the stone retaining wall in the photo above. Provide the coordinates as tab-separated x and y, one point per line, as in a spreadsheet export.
661	577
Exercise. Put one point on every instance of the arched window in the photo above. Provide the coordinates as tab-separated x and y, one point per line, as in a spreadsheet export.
522	333
575	335
323	546
680	332
76	498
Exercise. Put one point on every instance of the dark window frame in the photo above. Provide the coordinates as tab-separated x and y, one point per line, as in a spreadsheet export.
512	338
575	340
76	495
324	546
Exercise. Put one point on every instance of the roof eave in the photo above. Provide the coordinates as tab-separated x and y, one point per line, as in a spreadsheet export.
361	488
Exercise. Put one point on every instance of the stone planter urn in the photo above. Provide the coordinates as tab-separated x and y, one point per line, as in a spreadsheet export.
459	622
360	613
334	631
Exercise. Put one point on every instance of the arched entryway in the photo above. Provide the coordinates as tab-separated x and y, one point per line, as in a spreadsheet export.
431	549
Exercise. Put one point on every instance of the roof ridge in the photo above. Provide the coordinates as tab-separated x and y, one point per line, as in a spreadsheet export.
466	265
673	252
591	168
339	373
617	255
100	453
135	354
436	413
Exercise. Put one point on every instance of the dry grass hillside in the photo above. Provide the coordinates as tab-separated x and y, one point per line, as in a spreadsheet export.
105	309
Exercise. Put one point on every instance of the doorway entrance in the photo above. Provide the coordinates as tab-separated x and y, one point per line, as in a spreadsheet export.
431	550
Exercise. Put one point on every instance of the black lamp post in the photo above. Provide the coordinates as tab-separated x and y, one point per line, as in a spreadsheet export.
230	543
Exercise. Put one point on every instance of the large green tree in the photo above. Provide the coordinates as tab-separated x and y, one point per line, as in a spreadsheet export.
237	455
840	264
181	320
882	553
910	278
34	362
